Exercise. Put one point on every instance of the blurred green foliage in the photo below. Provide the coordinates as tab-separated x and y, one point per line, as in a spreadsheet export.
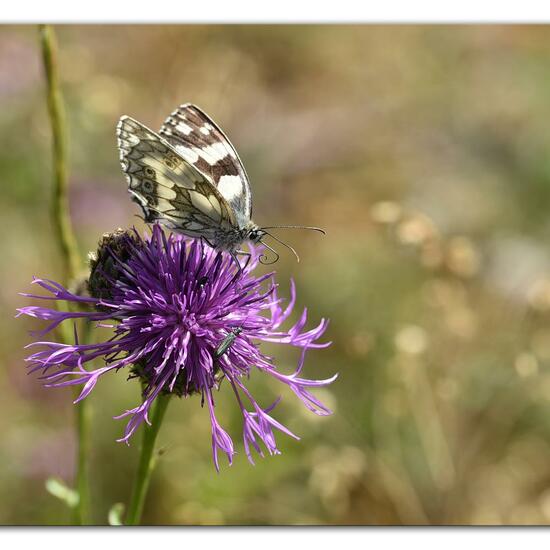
424	152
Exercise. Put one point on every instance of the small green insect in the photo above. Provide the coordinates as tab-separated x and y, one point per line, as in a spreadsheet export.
227	342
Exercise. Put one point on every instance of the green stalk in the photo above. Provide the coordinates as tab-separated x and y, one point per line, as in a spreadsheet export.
64	235
82	421
60	203
146	460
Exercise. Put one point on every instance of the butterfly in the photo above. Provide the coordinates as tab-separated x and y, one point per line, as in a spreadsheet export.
190	178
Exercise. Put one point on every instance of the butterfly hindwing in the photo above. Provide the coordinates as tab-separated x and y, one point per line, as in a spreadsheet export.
167	187
200	141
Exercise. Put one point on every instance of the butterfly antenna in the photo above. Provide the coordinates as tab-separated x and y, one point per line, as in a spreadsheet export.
295	227
283	243
264	262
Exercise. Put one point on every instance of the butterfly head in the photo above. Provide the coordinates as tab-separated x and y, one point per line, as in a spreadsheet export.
255	234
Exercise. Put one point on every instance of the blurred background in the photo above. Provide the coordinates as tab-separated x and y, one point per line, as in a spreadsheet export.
424	151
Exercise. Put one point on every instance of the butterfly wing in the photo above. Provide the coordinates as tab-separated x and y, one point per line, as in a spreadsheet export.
201	142
167	187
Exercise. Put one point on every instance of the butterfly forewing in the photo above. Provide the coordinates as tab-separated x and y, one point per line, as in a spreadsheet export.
200	141
167	186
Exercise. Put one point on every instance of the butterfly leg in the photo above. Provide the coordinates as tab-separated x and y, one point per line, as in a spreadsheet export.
203	238
248	256
234	257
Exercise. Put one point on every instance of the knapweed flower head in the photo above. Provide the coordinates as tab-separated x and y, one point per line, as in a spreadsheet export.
181	317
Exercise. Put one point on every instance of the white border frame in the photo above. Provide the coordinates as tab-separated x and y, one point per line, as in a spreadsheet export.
279	11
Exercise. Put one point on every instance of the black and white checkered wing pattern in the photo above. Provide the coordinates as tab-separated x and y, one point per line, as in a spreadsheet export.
200	141
167	187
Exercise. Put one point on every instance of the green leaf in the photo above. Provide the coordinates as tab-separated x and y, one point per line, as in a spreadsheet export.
56	487
115	514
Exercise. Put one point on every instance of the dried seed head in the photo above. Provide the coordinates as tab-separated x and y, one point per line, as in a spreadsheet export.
107	265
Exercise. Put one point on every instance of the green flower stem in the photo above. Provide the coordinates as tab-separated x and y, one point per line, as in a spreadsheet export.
65	237
82	421
60	203
146	460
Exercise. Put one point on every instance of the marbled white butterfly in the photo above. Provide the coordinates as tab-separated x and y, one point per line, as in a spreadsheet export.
189	178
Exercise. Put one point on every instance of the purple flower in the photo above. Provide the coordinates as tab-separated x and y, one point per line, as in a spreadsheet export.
184	317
